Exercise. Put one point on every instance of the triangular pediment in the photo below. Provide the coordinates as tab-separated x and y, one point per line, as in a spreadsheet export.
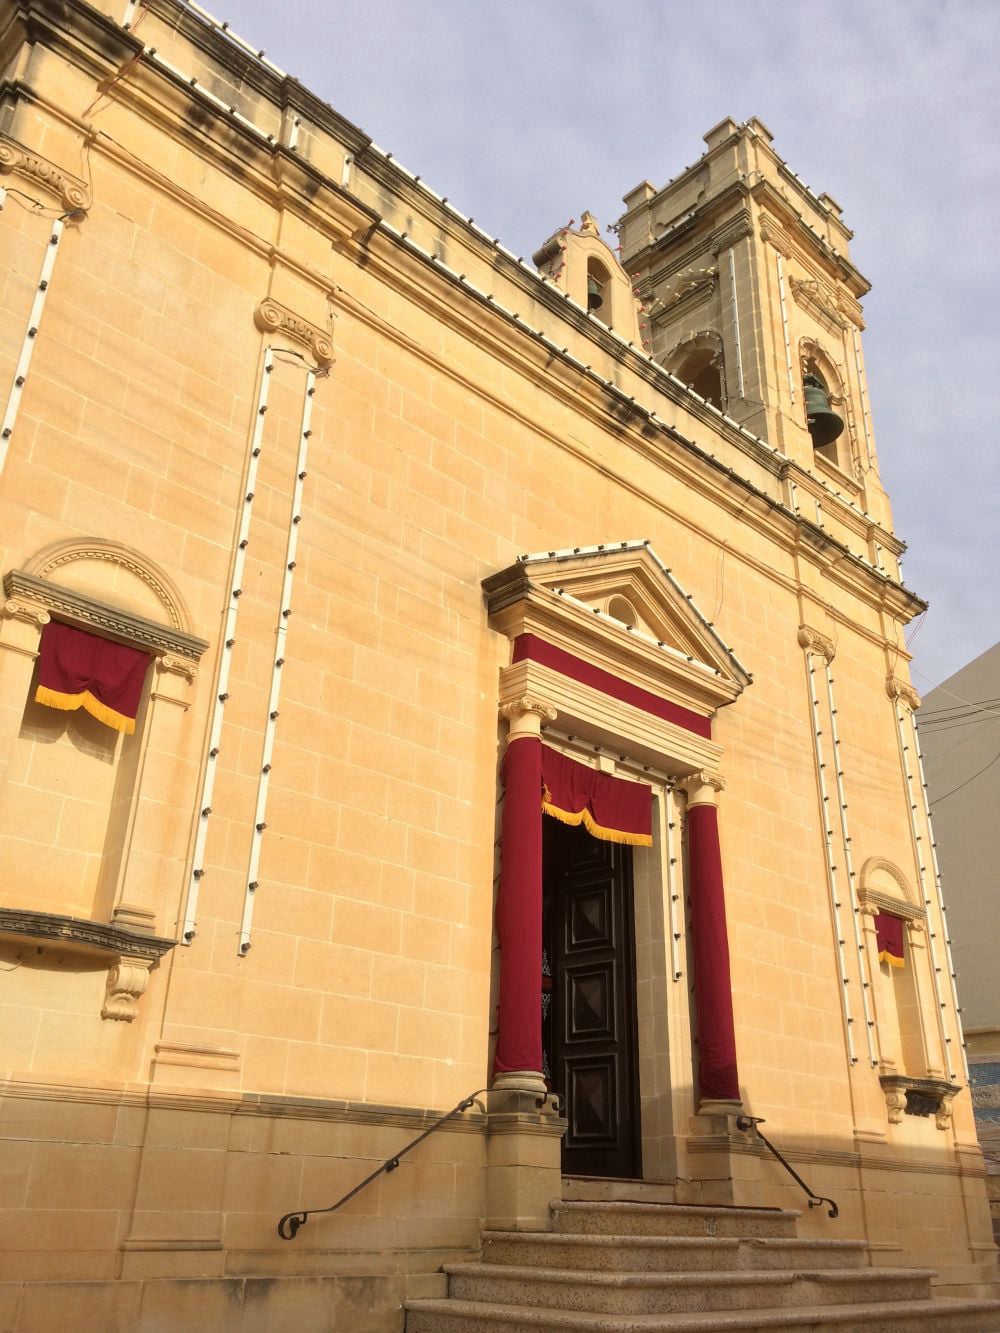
621	607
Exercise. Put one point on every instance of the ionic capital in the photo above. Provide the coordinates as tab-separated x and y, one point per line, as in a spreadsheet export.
525	714
814	642
18	608
703	787
901	691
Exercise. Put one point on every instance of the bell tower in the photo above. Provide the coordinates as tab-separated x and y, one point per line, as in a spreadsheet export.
752	300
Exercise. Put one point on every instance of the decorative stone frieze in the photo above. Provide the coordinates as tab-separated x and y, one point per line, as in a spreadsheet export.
94	937
815	642
41	174
273	318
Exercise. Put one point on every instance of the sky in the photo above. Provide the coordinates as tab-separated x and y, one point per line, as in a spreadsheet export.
525	113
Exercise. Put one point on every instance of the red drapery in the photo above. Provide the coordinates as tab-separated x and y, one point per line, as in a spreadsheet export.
81	670
519	911
889	935
717	1074
609	808
531	647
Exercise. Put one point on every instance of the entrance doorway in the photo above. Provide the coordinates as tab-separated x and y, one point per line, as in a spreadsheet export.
589	1039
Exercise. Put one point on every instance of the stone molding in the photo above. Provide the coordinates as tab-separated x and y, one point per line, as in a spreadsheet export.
29	590
814	642
101	549
16	160
902	692
274	318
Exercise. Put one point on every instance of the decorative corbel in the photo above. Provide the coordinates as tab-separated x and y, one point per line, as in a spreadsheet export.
902	691
73	194
127	980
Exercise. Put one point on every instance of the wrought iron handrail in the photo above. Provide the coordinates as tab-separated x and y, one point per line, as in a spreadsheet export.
289	1225
753	1123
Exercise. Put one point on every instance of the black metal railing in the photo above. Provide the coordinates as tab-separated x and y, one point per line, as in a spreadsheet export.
752	1124
289	1225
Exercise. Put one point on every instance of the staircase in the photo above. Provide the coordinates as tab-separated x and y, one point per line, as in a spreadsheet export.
617	1265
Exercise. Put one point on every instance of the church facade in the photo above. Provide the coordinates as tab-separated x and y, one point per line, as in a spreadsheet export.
430	679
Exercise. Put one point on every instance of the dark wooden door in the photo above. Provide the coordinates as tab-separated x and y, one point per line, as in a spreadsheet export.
589	1027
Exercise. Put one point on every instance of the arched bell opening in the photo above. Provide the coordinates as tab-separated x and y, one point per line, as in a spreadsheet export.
698	364
598	290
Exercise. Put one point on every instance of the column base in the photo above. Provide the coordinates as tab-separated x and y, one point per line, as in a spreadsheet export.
520	1080
523	1160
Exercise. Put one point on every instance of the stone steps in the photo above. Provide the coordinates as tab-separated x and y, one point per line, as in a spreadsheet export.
627	1218
453	1316
665	1293
667	1254
634	1265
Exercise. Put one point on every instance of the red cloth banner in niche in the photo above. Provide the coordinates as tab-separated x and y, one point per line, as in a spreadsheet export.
609	808
81	670
889	934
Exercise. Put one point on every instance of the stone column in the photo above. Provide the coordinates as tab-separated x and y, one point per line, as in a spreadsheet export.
718	1081
518	1060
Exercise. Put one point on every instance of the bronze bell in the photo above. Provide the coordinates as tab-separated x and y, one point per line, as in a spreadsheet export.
595	293
824	425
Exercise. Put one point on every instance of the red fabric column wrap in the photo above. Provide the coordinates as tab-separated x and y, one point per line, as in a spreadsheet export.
609	808
519	910
81	670
717	1075
889	935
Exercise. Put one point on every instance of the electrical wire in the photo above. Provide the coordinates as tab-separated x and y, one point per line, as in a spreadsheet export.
939	799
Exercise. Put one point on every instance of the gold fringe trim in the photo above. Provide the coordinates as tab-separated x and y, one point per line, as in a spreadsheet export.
886	957
585	818
68	703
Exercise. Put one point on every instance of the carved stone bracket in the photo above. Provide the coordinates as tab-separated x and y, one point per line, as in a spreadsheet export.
273	318
815	642
17	160
905	1095
730	232
900	690
819	301
126	983
771	231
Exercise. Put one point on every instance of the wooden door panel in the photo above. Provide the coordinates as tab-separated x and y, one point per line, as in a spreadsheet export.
589	1029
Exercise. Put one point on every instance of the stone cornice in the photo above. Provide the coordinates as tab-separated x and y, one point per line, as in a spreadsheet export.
76	607
94	937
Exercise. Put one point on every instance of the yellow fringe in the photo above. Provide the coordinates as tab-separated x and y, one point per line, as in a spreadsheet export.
585	818
886	957
70	702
